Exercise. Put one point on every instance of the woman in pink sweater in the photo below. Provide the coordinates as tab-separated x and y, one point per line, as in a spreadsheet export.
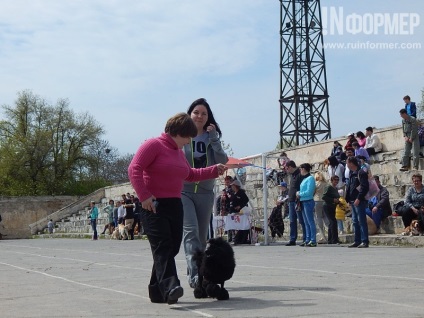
157	173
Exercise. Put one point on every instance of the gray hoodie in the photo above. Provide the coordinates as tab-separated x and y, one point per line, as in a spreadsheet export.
214	154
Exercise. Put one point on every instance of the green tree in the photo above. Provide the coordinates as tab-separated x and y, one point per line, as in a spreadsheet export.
47	149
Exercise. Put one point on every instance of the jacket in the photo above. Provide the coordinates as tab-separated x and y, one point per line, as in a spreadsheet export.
383	201
410	128
358	186
295	181
307	188
319	190
411	109
238	199
214	154
330	193
374	142
413	198
341	209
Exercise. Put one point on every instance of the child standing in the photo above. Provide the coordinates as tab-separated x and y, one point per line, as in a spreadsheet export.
341	209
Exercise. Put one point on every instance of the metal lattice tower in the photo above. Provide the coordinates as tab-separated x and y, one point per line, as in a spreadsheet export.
304	115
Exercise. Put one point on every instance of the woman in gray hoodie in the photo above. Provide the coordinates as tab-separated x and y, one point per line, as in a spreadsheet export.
198	197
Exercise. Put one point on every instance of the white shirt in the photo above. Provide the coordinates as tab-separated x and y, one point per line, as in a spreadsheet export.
373	142
121	211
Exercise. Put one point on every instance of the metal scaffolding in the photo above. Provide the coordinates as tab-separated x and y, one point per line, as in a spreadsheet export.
304	114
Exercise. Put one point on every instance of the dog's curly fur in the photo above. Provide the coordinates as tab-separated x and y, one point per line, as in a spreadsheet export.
216	265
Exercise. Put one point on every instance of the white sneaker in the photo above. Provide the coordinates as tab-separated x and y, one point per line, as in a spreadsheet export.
341	232
322	241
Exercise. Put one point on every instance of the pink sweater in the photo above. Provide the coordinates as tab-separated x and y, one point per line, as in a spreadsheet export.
159	168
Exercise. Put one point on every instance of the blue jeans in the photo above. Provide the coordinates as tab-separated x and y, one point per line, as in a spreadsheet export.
308	215
94	228
376	217
340	225
293	216
359	221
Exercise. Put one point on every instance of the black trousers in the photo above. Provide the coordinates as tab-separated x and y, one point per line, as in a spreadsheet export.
330	213
242	237
407	216
277	230
164	230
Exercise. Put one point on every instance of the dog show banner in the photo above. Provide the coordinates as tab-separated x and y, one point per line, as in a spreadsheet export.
232	222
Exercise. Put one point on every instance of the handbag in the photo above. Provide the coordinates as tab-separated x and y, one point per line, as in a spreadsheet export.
373	187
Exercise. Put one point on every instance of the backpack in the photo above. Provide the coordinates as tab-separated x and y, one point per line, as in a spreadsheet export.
398	207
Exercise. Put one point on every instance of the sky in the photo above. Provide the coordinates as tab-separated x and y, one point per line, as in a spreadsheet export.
133	64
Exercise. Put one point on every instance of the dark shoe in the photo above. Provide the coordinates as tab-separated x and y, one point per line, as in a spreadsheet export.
354	245
335	242
303	244
291	243
421	155
174	294
415	168
404	168
363	245
311	244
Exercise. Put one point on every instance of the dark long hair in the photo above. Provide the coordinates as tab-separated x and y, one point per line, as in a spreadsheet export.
211	118
333	161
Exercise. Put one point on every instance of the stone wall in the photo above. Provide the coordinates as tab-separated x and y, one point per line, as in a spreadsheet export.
18	212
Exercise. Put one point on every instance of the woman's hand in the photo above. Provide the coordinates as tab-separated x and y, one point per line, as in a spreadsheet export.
211	128
149	205
221	168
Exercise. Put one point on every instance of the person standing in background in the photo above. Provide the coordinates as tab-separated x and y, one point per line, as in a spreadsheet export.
294	213
320	217
94	214
412	142
306	197
331	199
109	210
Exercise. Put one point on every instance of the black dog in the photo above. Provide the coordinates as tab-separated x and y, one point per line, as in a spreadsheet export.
216	265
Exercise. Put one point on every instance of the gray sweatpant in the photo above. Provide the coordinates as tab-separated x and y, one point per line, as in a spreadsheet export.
415	147
197	215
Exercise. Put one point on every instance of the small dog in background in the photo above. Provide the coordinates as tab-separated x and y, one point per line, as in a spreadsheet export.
123	232
115	234
120	232
216	265
413	230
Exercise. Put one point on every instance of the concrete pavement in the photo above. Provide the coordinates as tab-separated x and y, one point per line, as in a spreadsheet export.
107	278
